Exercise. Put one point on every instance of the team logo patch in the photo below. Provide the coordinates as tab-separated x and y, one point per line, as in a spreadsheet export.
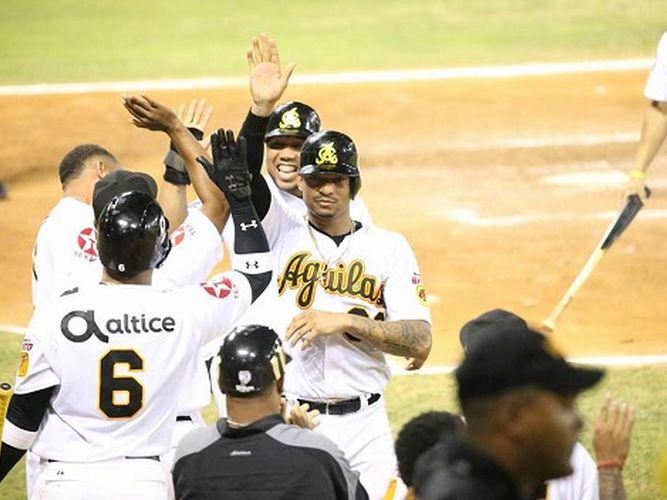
416	278
219	288
27	346
421	295
178	236
244	378
327	157
290	119
24	363
87	241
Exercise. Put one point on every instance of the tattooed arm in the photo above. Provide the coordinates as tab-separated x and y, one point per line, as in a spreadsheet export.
407	338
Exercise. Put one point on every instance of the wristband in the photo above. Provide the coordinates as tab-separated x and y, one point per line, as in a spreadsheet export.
637	174
173	176
610	464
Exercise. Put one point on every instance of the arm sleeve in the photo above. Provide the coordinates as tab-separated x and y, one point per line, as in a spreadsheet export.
24	416
253	130
251	256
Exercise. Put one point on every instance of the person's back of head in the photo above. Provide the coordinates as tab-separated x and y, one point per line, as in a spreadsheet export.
74	162
252	361
420	434
132	235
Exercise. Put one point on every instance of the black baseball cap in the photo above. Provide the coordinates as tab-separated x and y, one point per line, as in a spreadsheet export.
503	352
118	182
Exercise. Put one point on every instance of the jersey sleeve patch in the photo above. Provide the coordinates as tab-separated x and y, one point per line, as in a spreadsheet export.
220	287
422	295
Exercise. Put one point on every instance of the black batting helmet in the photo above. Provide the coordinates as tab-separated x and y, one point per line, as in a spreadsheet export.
333	152
292	119
251	359
132	234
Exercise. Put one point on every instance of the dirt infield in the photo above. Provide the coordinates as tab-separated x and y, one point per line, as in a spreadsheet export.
446	163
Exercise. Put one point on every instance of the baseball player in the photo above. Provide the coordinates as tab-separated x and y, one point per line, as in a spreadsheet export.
253	453
654	126
351	292
102	435
282	129
64	254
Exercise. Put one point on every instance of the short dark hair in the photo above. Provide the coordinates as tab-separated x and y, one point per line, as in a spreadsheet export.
420	434
72	163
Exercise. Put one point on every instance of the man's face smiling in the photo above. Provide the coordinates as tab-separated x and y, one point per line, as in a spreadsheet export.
282	162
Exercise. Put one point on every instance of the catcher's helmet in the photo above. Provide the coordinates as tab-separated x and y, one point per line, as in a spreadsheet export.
293	119
251	359
333	152
132	234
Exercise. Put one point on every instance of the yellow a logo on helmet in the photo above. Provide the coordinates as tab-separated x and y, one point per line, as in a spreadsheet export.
327	158
290	119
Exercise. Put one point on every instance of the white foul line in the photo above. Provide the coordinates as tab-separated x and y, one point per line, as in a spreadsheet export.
609	361
351	77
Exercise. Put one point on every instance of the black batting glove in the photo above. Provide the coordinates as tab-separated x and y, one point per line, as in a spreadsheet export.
229	170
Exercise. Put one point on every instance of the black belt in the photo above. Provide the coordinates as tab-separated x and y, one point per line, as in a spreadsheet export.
183	418
339	407
149	457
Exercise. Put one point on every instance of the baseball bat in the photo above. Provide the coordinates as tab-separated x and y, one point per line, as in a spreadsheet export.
6	391
631	207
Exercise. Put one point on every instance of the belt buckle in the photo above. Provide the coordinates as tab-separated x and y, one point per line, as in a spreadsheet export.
326	408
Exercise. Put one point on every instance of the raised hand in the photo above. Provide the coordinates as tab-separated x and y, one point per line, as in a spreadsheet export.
195	117
150	114
267	79
229	170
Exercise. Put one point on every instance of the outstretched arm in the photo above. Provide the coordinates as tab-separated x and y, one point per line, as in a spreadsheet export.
148	113
267	84
172	195
654	130
229	171
407	338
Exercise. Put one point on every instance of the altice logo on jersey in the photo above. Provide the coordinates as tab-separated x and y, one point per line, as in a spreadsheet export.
79	326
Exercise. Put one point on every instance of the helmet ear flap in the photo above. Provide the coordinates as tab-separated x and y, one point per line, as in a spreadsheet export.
355	186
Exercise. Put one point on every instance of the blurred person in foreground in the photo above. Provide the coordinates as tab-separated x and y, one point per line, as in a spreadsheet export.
518	396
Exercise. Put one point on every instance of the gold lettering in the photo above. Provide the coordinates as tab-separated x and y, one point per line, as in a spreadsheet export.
303	274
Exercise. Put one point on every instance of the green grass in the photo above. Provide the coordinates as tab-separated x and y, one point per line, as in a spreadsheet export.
645	388
70	40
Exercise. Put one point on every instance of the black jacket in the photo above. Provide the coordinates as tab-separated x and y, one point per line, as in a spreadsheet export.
265	460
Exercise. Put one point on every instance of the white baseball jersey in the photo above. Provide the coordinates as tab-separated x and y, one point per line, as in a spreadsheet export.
65	256
372	273
656	85
582	484
65	252
117	354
